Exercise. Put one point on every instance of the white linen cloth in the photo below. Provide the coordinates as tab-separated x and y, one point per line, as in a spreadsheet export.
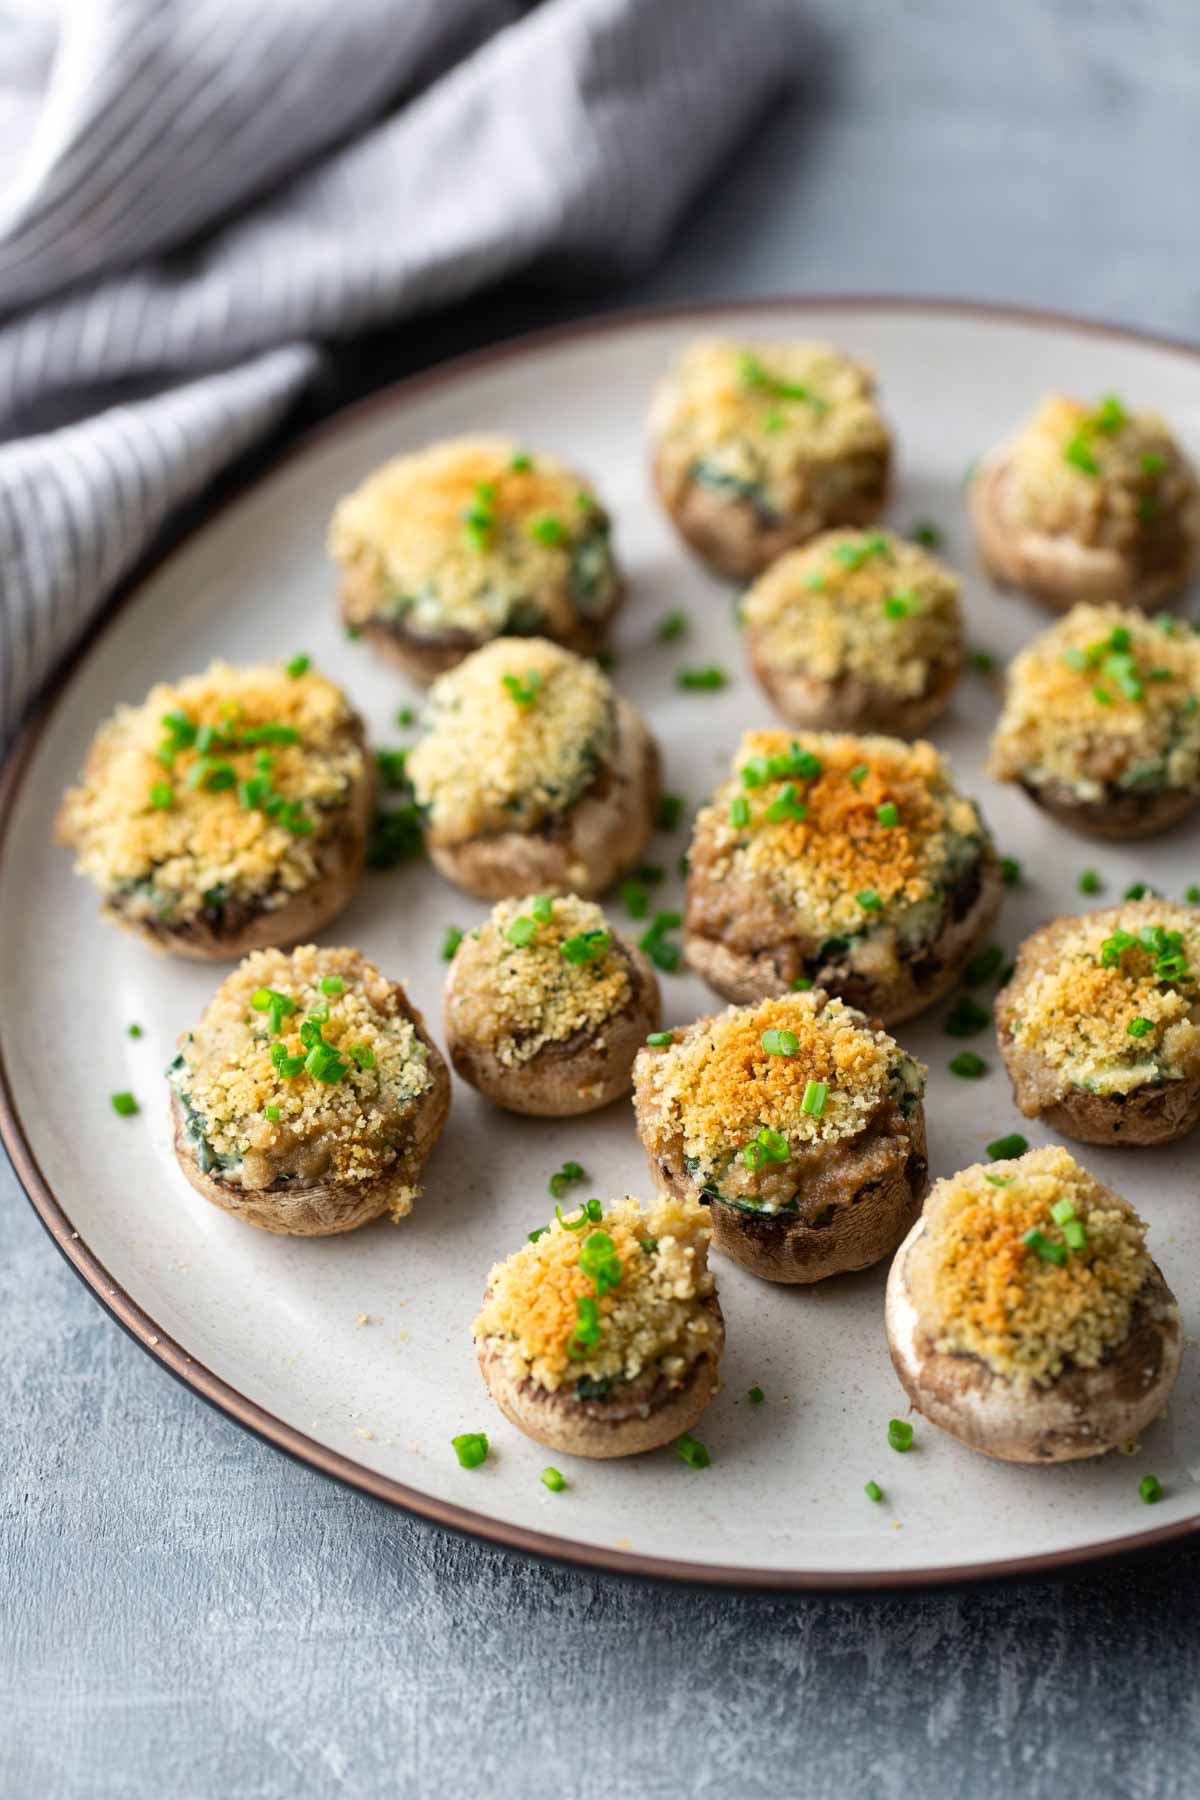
195	193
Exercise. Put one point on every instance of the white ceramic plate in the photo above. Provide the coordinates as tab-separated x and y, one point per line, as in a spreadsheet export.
355	1352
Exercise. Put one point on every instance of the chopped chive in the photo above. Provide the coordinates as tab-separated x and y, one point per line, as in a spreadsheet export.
405	717
900	604
984	965
869	900
586	946
551	1479
542	908
900	1434
134	1031
364	1057
965	1018
705	680
547	529
739	811
521	463
672	625
982	661
1010	870
162	795
873	1491
925	533
859	773
780	1043
660	1038
888	814
1090	882
1075	1233
1192	896
1138	891
669	812
802	984
1000	1180
1062	1211
471	1448
272	1113
354	632
1150	1489
522	692
756	1396
1102	696
692	1451
634	899
522	931
564	1178
815	1095
299	665
1044	1248
124	1105
450	942
968	1066
1140	1028
332	984
786	805
1080	456
1005	1148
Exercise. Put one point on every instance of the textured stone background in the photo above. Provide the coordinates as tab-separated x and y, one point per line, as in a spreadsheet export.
184	1612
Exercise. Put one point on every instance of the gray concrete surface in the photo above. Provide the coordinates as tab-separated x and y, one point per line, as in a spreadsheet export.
184	1612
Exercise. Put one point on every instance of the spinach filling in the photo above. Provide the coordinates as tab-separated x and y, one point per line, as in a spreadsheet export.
592	576
207	1159
738	489
587	1389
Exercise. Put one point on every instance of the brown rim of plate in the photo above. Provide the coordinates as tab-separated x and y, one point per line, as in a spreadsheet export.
245	1412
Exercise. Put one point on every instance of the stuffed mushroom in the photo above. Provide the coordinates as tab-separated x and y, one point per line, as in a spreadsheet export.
1087	503
533	774
850	863
799	1122
1025	1315
603	1335
759	446
1101	722
857	631
227	812
465	541
309	1095
1100	1024
546	1007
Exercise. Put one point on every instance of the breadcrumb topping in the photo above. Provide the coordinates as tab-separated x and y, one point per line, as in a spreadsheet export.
980	1291
517	998
820	863
455	538
714	1087
780	419
1072	1006
344	1132
206	846
1105	698
494	760
652	1322
1100	475
858	603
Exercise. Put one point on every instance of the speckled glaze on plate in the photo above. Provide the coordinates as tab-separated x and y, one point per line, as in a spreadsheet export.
354	1353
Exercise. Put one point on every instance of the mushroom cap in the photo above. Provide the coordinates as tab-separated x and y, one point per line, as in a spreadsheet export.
1120	818
606	1428
1059	570
323	1209
850	703
1082	1412
745	976
585	849
817	1241
730	536
579	1074
423	656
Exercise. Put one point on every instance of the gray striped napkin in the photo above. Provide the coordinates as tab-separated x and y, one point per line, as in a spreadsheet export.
195	193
